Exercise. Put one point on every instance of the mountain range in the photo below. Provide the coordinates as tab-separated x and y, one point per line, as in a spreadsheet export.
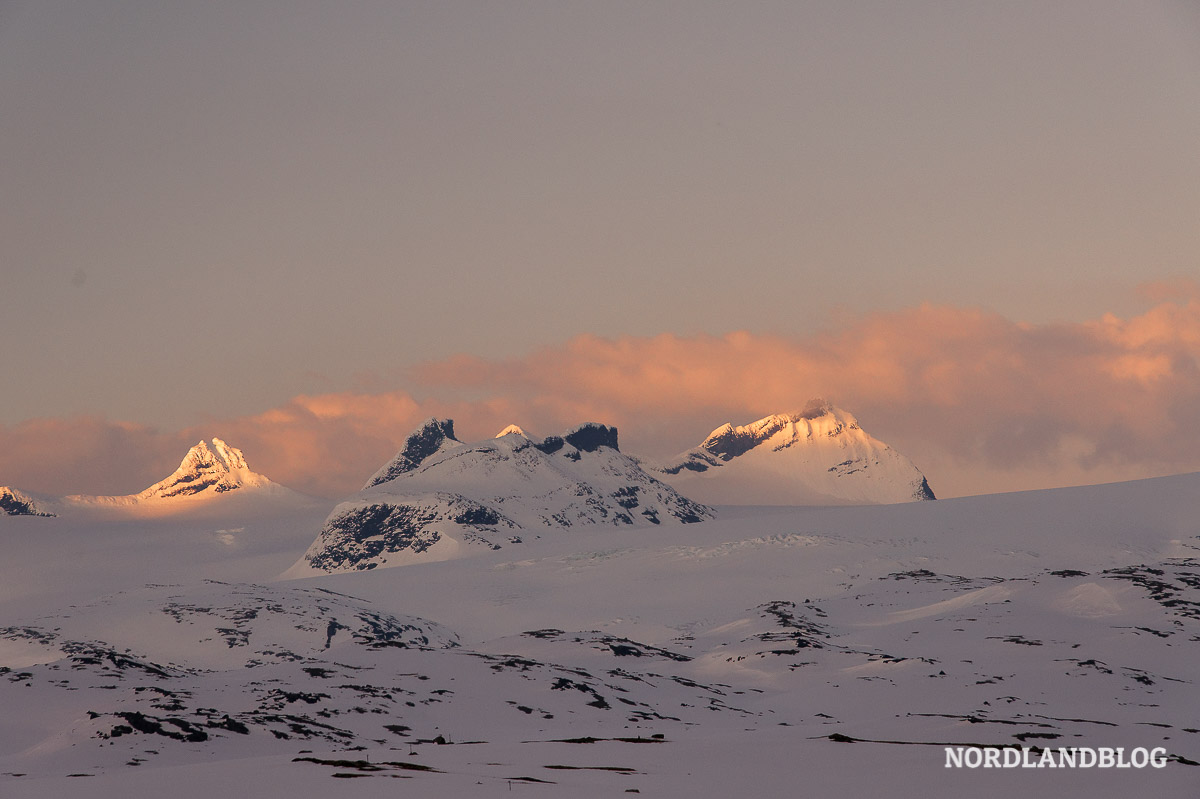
498	490
606	635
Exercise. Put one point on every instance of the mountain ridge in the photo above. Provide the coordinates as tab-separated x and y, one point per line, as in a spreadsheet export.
447	497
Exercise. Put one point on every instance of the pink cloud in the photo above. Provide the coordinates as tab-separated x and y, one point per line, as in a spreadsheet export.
86	454
1176	288
988	402
980	402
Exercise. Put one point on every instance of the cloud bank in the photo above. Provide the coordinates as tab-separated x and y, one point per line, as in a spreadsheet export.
981	403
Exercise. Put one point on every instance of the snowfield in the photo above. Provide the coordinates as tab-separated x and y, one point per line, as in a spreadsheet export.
765	651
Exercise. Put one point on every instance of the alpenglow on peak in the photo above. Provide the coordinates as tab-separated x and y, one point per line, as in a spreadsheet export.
512	429
216	468
819	455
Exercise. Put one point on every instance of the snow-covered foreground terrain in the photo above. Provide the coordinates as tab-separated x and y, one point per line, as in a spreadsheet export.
769	652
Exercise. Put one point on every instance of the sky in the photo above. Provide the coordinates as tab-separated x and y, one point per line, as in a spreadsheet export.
304	227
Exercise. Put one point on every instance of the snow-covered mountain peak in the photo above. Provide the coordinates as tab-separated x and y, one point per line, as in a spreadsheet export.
208	470
439	497
819	419
18	503
214	469
232	457
432	436
512	430
202	458
819	455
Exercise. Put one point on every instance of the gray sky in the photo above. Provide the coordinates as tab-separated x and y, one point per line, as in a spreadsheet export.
209	208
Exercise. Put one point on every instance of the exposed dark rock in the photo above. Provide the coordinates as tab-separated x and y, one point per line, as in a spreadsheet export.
363	533
14	503
626	497
550	444
924	491
590	436
795	628
729	443
956	580
422	443
1166	589
183	729
621	647
477	514
227	723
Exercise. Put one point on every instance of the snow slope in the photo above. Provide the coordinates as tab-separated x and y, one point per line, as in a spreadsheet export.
819	456
771	651
440	498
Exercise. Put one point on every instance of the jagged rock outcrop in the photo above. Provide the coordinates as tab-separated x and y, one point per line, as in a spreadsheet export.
433	436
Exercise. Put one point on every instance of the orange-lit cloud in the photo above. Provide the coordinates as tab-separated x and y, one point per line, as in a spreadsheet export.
62	456
1176	288
980	402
